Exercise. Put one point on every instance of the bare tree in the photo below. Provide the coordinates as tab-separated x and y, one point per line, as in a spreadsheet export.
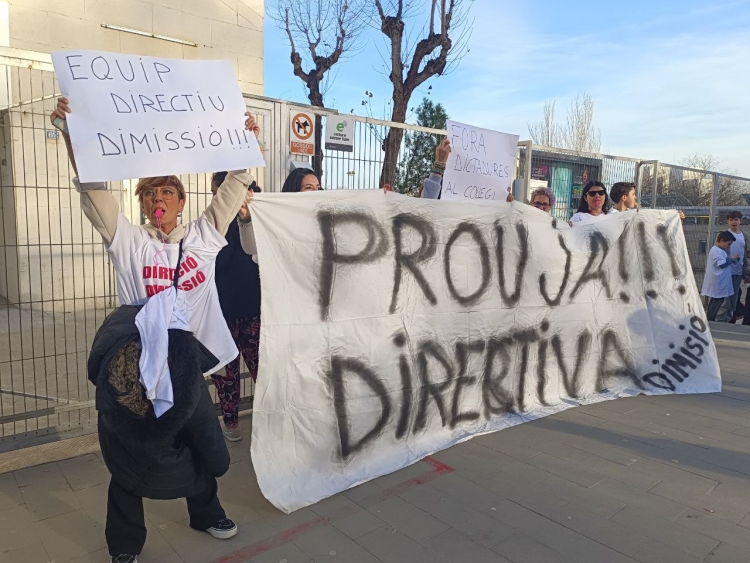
546	132
578	133
442	44
700	187
325	30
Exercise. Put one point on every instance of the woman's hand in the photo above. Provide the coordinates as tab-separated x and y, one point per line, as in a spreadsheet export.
244	212
510	196
61	111
250	124
681	214
443	151
388	188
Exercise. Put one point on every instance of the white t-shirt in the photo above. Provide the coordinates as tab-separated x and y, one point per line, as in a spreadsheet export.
584	217
144	269
718	281
738	249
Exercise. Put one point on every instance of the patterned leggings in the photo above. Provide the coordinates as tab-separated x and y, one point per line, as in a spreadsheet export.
246	335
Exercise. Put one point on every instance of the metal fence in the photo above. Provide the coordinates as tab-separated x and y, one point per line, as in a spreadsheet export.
57	283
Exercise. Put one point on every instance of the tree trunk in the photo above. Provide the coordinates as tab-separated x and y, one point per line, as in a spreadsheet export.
316	99
393	142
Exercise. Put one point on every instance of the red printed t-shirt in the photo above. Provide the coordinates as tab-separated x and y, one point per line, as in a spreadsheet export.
144	269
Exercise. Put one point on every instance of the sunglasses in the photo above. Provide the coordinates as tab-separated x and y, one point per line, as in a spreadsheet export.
594	193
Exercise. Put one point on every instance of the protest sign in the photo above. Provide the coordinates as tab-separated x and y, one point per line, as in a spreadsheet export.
481	165
394	327
302	129
339	133
138	116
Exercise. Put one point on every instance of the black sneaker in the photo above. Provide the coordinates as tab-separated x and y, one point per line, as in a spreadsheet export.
223	529
124	558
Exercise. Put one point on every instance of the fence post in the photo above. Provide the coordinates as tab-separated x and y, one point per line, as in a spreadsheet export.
527	169
656	184
712	212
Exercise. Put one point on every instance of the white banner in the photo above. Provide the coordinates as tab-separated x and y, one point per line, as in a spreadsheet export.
394	327
481	165
135	117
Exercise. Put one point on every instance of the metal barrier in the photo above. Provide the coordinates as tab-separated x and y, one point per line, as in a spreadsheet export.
57	283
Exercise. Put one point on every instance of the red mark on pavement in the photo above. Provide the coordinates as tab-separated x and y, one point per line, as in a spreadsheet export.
253	550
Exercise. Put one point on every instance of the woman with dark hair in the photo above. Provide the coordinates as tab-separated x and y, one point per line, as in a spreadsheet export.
238	285
594	203
301	180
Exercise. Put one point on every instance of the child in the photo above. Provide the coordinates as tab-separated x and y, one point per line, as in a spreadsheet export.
734	220
717	283
623	197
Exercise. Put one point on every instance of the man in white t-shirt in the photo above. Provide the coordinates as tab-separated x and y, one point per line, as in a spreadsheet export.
734	220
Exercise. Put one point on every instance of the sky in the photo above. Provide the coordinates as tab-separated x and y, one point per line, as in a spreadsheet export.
669	78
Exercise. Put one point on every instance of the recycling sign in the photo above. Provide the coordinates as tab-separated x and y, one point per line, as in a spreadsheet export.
339	133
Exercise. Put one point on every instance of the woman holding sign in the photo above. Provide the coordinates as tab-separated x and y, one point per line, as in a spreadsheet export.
159	434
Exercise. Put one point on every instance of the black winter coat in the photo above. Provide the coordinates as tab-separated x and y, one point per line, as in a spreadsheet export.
237	279
160	458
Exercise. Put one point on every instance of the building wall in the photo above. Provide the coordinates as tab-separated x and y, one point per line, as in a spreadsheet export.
223	29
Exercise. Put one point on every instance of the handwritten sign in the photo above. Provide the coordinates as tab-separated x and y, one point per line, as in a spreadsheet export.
302	129
412	325
481	165
136	116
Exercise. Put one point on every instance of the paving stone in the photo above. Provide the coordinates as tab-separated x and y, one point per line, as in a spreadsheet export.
597	528
666	532
16	529
674	474
47	500
455	547
408	519
519	548
645	500
94	501
586	550
566	470
288	552
391	546
421	495
482	528
48	474
537	527
588	499
716	528
688	496
347	516
514	448
84	472
534	497
30	554
727	553
70	535
603	450
648	550
623	473
472	494
193	546
10	495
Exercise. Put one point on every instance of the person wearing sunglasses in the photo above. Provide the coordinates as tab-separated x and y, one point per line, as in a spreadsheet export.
594	204
543	199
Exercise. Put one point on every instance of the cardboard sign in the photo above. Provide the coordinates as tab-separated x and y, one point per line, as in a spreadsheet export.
482	163
339	133
135	117
302	139
395	327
